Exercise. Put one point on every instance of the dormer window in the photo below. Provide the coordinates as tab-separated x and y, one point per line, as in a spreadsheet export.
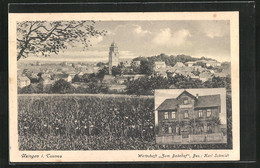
185	100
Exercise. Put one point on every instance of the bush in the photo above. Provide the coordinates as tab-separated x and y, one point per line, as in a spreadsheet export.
62	86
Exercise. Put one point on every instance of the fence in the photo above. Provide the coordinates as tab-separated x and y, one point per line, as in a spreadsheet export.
168	139
201	138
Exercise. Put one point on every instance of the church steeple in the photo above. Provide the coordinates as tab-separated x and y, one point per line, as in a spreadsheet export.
113	56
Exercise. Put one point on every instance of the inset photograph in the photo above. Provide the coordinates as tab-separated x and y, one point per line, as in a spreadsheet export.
191	116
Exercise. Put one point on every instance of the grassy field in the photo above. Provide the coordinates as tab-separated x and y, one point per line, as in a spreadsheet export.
92	122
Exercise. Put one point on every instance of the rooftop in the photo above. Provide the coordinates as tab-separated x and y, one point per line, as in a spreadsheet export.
200	102
168	104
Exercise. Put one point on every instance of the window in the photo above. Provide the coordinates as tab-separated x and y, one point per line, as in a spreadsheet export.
170	130
209	127
165	115
166	130
173	115
186	114
185	101
200	114
208	112
177	130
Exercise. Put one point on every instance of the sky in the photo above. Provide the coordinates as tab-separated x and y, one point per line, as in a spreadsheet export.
148	38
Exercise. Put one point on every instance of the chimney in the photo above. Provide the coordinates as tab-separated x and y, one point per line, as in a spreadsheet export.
197	96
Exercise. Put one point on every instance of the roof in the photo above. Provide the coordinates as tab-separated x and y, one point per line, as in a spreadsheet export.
179	64
190	62
61	76
113	44
202	101
186	93
108	77
220	74
205	75
208	101
168	104
159	62
23	78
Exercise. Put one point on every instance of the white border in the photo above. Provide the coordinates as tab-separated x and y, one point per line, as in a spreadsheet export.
124	155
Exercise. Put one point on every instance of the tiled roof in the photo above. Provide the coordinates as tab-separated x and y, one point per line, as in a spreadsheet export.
205	75
168	104
202	101
208	101
179	64
23	78
60	76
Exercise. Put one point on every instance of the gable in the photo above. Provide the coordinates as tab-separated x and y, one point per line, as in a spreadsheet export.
185	93
168	104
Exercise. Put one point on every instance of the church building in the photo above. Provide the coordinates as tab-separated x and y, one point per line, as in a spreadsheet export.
113	57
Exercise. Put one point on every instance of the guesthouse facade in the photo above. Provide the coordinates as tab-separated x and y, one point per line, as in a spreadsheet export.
190	118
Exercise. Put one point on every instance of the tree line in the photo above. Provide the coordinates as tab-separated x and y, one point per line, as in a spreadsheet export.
147	85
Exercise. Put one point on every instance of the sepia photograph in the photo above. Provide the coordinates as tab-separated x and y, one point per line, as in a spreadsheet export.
123	85
192	116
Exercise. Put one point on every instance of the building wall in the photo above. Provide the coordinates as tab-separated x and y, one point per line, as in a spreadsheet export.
214	112
113	58
179	115
24	83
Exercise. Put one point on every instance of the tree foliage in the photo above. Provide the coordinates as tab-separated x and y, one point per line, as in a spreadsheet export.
217	82
146	67
42	37
102	72
172	60
116	70
146	85
62	86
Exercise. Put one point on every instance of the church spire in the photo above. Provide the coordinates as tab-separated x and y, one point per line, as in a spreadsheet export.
113	56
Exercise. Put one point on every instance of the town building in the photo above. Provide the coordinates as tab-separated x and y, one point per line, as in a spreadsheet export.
189	64
126	63
133	77
159	65
136	63
65	77
204	76
23	81
213	64
178	65
190	118
113	57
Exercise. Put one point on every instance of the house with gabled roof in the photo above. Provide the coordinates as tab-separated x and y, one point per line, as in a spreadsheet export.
23	81
63	76
188	115
204	76
159	65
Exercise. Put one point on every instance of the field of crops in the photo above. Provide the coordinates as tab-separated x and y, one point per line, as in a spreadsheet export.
91	122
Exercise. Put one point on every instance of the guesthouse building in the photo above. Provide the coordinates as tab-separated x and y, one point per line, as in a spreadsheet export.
189	118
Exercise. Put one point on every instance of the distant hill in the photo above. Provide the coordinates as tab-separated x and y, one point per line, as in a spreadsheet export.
171	60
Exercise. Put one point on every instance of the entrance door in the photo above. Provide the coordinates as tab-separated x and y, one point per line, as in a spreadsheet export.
185	134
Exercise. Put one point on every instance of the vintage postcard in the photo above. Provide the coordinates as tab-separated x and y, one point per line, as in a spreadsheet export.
124	87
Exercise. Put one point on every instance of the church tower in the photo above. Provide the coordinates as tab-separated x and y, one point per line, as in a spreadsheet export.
113	57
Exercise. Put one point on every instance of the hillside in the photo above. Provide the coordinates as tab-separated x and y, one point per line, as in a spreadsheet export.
171	60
